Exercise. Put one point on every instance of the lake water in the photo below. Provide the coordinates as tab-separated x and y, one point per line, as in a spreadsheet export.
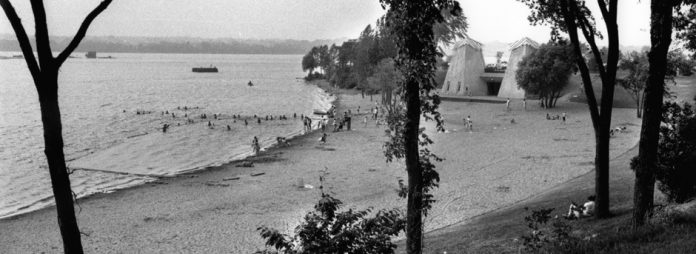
110	146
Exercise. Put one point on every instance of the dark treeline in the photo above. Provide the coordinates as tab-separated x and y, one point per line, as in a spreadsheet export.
350	64
365	63
192	46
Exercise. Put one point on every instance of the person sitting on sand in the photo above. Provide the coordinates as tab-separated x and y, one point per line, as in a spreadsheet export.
585	210
548	117
229	128
258	120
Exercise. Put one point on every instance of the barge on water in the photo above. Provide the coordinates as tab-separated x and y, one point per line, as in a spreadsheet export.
205	69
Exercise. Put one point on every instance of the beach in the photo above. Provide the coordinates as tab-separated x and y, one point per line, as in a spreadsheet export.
219	209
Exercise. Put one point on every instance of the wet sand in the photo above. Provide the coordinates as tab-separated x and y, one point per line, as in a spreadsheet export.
496	164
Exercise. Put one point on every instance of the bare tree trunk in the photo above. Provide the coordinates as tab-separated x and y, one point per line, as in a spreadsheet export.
660	38
45	76
60	181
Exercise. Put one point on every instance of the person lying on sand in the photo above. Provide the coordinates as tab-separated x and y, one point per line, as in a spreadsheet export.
585	210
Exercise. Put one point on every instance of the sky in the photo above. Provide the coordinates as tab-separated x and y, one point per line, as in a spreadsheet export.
489	20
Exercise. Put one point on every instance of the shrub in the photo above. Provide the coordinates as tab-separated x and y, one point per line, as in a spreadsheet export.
325	230
676	172
541	236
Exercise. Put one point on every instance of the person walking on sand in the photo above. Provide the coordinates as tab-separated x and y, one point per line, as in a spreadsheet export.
349	119
365	121
507	104
563	117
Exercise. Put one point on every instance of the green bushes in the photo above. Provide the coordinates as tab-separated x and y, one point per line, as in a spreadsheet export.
676	172
325	230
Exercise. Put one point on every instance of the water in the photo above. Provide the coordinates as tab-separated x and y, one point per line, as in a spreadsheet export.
110	146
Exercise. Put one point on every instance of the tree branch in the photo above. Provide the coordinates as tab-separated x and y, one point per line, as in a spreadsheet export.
43	44
572	28
589	37
82	31
603	9
22	38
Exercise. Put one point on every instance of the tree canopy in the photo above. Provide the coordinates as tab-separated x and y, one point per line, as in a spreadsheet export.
546	71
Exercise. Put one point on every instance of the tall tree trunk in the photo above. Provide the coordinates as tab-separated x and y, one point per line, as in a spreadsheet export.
60	180
660	38
414	214
601	116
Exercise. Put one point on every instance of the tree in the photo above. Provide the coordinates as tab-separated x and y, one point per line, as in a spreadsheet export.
636	64
685	22
44	73
411	24
676	152
592	62
569	16
637	68
498	57
309	62
661	25
546	71
385	79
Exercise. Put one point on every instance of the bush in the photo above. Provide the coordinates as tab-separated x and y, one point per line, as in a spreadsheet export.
326	231
676	172
542	237
314	75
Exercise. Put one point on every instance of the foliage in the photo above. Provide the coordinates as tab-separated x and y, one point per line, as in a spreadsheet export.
541	235
677	152
326	230
545	72
385	79
679	64
592	62
685	24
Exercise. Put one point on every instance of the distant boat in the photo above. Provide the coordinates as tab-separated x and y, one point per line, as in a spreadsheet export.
91	54
205	69
250	84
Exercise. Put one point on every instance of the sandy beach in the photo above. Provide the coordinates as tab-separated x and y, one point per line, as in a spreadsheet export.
218	210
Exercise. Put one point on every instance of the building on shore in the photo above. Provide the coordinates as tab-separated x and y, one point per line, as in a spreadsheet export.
465	68
518	50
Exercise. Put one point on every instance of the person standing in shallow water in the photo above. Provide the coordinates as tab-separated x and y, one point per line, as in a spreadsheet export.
255	145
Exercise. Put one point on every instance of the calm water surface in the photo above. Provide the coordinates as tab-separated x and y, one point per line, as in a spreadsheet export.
110	146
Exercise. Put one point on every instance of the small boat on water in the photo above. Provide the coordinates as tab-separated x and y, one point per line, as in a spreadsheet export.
205	69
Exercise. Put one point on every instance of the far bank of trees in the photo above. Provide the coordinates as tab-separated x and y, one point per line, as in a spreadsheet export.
365	62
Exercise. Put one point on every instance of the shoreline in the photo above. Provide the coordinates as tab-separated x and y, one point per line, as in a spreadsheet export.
194	171
204	210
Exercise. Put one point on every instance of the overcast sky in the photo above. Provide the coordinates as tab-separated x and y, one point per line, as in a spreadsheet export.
489	20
